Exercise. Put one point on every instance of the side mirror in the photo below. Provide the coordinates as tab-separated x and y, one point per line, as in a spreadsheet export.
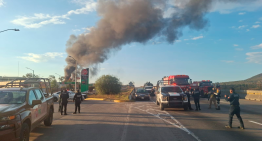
36	102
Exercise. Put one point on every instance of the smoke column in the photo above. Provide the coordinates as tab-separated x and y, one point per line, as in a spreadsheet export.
126	21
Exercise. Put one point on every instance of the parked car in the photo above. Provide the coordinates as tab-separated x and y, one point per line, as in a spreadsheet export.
141	94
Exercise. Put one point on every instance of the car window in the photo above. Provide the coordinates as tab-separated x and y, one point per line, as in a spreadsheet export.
31	97
39	94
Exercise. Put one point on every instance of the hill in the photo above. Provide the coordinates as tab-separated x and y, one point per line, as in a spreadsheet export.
251	80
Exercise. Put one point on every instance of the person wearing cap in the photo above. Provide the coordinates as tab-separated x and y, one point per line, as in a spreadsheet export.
234	108
212	98
218	95
64	100
77	99
196	95
188	97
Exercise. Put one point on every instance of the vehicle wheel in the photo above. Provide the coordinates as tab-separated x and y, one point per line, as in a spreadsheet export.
162	106
55	99
186	108
24	135
49	120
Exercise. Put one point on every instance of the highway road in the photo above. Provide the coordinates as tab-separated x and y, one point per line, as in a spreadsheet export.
143	121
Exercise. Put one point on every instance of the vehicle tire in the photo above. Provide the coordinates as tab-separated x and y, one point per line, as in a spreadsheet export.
55	99
185	108
48	121
25	131
162	107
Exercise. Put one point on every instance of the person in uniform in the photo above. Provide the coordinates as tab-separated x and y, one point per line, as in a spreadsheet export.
60	102
196	95
218	95
77	99
152	93
234	108
188	97
212	99
63	97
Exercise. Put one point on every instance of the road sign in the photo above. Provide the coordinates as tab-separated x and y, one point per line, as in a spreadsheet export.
84	80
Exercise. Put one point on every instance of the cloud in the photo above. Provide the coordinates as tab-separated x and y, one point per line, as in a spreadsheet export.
185	39
255	26
242	26
228	7
40	19
257	22
240	21
242	13
239	49
257	46
2	3
235	45
41	57
228	61
199	37
254	57
248	30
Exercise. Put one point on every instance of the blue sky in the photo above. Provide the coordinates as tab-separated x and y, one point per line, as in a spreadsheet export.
228	49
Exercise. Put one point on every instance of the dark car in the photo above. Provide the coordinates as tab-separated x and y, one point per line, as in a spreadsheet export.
141	94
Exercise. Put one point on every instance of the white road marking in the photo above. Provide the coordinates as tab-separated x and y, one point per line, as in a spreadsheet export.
176	124
123	137
255	122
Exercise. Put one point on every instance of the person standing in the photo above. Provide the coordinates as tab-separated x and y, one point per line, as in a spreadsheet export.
63	97
60	102
196	95
234	108
188	97
218	95
77	99
152	93
212	99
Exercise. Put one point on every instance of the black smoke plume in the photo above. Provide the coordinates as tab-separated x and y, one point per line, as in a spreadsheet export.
126	21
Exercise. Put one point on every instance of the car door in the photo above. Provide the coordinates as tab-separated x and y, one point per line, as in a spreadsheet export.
42	111
34	110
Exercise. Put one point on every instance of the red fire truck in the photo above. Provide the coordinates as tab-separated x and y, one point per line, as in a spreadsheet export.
204	86
180	80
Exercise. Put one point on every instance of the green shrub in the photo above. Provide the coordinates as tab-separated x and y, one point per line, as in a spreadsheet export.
108	84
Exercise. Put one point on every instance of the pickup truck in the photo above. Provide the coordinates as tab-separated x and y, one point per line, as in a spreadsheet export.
170	96
21	110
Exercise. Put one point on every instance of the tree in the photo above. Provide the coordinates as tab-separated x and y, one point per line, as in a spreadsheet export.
53	83
108	84
61	79
131	83
148	84
29	75
51	77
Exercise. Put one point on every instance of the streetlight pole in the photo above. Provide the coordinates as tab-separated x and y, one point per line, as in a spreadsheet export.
10	29
31	70
75	71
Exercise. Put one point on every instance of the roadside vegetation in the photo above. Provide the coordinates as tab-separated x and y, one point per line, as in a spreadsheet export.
109	87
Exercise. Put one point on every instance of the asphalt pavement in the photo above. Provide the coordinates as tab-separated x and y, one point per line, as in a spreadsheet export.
144	121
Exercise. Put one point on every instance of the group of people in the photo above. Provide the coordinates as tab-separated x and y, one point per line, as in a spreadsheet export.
213	97
63	100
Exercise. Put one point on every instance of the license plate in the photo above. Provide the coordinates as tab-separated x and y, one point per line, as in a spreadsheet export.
142	97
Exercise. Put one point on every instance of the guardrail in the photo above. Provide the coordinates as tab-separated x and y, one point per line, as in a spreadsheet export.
247	94
130	95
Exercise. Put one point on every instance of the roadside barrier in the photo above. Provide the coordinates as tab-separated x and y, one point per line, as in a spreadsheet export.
255	95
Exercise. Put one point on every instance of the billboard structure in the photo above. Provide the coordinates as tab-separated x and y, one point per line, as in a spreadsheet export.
84	80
